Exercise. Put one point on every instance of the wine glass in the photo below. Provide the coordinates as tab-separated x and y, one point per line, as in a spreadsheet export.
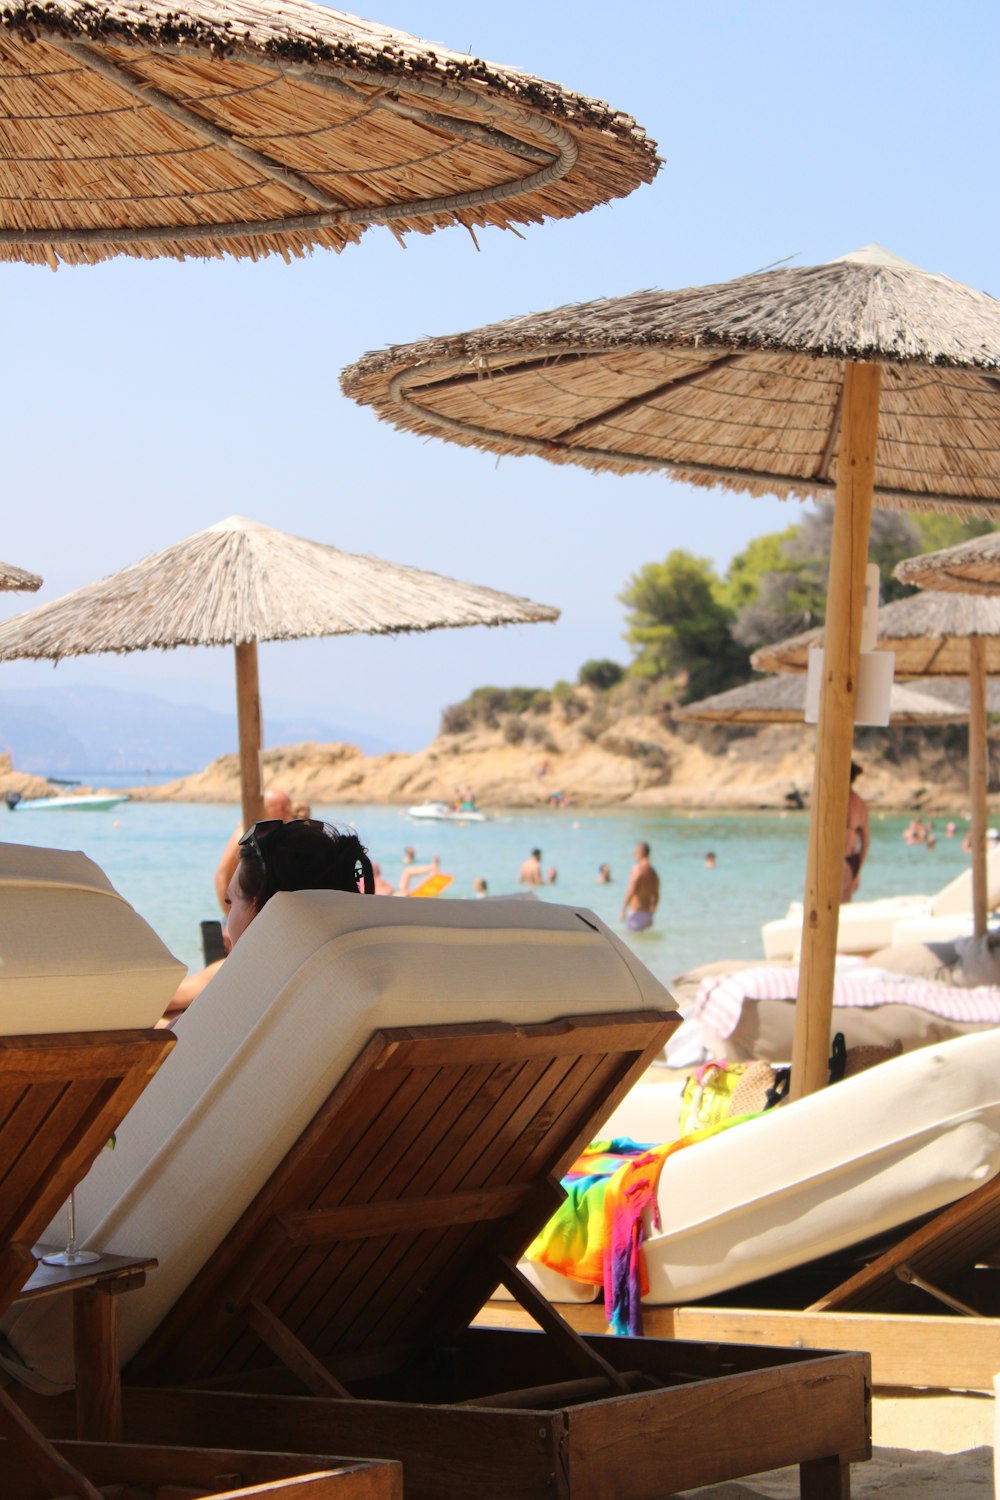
71	1256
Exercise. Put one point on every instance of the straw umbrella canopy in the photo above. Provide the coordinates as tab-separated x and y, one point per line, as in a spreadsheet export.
17	581
932	635
219	126
238	583
773	383
970	568
782	700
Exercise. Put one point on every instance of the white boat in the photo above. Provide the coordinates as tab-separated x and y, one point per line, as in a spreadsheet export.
441	812
84	802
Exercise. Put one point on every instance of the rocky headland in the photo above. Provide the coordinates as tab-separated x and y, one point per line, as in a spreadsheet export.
587	750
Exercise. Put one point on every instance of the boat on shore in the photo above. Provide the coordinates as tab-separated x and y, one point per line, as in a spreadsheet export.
82	802
443	812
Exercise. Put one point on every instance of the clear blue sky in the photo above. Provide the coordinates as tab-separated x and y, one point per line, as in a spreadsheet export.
144	401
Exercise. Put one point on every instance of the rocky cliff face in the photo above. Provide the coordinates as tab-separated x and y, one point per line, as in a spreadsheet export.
599	757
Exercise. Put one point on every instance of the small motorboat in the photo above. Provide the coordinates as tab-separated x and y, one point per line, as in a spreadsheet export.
443	812
84	802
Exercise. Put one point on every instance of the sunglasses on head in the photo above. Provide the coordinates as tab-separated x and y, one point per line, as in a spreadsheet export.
257	838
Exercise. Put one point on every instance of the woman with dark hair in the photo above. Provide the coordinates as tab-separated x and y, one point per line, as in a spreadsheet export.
300	855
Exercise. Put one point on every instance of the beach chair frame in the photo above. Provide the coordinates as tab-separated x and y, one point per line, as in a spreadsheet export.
61	1099
62	1096
336	1311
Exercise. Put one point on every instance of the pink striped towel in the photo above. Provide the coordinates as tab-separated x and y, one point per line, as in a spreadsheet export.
720	998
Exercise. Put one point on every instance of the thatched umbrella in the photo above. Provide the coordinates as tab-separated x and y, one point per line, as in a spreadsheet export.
238	583
970	568
769	384
782	700
932	635
214	126
17	581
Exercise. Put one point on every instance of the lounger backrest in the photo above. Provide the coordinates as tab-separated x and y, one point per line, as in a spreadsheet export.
264	1048
956	897
61	1099
74	955
387	1226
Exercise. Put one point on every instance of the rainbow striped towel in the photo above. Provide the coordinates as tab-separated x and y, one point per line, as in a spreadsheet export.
596	1235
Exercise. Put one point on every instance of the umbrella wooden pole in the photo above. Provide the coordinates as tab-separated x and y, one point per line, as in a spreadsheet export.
835	731
251	738
978	777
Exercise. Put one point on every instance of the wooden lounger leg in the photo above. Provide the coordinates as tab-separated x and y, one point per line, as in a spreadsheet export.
825	1479
98	1366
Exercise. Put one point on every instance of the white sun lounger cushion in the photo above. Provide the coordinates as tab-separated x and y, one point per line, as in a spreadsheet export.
866	926
863	1156
263	1046
74	955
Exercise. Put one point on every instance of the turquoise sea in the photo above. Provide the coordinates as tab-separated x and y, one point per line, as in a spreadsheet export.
162	857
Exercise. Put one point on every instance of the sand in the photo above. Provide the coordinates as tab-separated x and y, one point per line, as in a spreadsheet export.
891	1474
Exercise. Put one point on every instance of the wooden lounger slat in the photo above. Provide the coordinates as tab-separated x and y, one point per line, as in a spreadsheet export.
506	1152
562	1083
292	1186
481	1096
522	1148
419	1101
42	1127
65	1096
327	1172
424	1119
465	1161
945	1248
360	1221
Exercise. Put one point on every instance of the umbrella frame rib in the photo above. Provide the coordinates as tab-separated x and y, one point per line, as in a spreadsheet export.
550	168
87	54
816	484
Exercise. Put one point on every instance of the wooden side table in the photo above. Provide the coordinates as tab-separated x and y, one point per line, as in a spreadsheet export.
95	1290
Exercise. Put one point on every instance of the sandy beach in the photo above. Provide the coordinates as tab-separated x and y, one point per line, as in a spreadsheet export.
891	1474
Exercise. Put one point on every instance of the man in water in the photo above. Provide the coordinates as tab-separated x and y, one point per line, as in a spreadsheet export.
642	892
277	804
531	870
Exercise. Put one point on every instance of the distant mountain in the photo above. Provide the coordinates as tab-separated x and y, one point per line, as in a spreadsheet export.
66	728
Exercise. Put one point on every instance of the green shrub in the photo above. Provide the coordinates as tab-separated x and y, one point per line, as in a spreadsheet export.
601	674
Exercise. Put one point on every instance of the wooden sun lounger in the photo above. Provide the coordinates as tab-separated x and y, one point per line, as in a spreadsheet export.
335	1313
62	1097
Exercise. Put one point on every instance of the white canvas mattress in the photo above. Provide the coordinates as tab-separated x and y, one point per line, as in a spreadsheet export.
863	1156
74	955
866	926
260	1050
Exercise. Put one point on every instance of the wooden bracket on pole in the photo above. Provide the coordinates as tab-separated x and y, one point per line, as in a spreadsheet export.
251	733
835	732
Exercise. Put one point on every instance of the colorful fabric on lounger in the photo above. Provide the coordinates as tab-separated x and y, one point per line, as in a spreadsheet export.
596	1235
